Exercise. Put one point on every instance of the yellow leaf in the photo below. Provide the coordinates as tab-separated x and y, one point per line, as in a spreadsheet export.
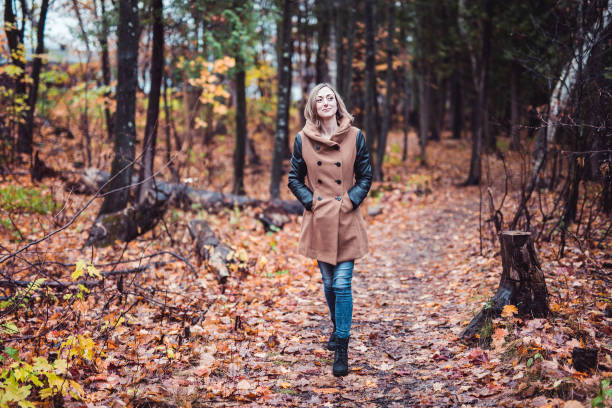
60	365
285	385
92	271
509	311
77	387
41	364
46	393
13	392
78	270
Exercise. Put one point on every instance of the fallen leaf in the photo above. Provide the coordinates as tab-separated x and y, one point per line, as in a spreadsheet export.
509	311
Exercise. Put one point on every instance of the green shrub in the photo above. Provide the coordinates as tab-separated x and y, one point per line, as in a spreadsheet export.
24	199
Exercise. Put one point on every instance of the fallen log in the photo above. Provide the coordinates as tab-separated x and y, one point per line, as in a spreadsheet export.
522	283
127	224
184	196
208	247
10	283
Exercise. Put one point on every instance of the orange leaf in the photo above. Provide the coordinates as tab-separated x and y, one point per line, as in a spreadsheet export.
509	311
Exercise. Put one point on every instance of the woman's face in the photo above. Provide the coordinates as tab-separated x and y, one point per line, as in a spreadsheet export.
326	103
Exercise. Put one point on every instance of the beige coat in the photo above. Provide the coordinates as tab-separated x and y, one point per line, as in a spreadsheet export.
333	231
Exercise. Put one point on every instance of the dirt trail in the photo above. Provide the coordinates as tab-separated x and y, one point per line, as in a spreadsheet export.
410	299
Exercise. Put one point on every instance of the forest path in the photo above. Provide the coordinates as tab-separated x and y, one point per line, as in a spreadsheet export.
411	296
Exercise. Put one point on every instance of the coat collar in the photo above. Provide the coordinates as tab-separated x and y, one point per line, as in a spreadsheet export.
312	132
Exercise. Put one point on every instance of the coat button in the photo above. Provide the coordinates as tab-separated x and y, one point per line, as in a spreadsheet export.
339	198
319	181
318	147
339	181
319	198
319	163
338	164
336	147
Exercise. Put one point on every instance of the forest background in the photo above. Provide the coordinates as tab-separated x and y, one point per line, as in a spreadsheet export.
147	230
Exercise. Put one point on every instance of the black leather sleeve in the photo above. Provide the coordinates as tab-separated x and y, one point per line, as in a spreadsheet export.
297	174
363	173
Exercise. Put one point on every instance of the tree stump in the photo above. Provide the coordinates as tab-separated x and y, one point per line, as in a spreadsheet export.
522	282
125	225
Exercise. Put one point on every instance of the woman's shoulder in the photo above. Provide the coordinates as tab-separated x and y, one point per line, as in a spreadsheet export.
357	132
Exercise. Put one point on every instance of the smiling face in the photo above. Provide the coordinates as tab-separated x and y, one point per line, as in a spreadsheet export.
326	103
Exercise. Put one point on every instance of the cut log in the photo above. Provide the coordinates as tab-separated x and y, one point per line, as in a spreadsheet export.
210	249
522	282
183	196
127	224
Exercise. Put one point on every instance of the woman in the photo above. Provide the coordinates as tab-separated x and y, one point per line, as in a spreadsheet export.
331	176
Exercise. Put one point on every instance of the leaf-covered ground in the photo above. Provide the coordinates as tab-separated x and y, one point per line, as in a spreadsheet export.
166	336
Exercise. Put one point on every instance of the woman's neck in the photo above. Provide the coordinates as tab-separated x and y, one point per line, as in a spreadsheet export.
329	127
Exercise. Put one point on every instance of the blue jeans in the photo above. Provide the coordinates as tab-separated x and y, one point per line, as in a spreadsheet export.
338	294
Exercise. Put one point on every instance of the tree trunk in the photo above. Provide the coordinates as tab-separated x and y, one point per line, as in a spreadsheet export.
339	31
171	166
347	79
567	81
106	74
241	132
522	283
370	83
84	114
125	130
157	73
386	122
424	105
515	143
14	36
456	104
25	140
407	106
438	107
479	73
322	70
308	72
284	92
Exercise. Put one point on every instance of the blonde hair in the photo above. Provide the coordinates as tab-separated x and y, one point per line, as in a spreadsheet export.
310	111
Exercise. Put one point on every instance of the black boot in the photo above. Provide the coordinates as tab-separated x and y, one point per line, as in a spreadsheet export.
341	357
332	343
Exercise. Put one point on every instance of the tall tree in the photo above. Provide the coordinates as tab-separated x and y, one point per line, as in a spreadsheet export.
321	11
125	130
347	75
370	83
284	92
456	103
386	122
102	35
479	58
151	126
514	108
25	140
14	35
241	132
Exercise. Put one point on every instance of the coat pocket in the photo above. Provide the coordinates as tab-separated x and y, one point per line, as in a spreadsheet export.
347	204
315	200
